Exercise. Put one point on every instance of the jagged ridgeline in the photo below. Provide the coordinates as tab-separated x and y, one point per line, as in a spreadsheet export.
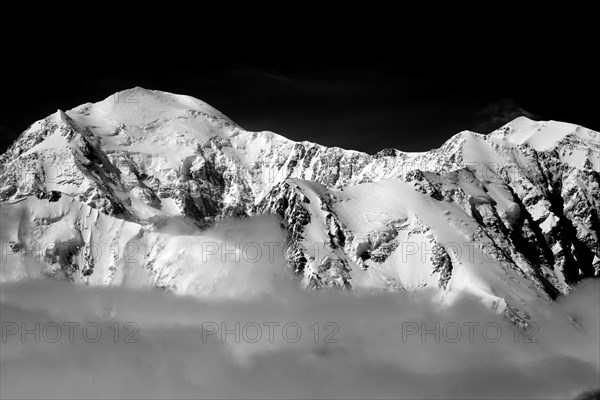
512	216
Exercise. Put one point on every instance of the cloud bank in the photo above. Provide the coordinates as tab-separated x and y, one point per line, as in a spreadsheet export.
323	345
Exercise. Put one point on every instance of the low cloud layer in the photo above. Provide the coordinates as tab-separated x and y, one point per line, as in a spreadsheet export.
326	345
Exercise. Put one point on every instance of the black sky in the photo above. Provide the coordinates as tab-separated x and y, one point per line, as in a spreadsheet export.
364	78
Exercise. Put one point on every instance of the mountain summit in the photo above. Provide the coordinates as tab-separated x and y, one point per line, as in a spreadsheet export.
512	216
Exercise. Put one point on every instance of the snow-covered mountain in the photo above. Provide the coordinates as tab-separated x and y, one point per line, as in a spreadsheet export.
136	179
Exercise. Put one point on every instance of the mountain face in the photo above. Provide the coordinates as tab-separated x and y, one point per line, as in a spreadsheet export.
512	216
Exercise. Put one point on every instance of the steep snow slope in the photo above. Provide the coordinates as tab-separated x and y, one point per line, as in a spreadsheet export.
63	238
512	216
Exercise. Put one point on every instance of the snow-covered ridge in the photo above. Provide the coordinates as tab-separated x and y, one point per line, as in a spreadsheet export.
512	216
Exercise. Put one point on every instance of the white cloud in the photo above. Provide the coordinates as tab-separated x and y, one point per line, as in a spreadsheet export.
370	358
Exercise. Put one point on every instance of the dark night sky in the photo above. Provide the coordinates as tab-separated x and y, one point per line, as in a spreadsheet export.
368	80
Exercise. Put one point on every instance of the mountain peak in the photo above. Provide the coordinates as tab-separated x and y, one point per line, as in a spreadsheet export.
60	116
141	105
541	135
150	157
